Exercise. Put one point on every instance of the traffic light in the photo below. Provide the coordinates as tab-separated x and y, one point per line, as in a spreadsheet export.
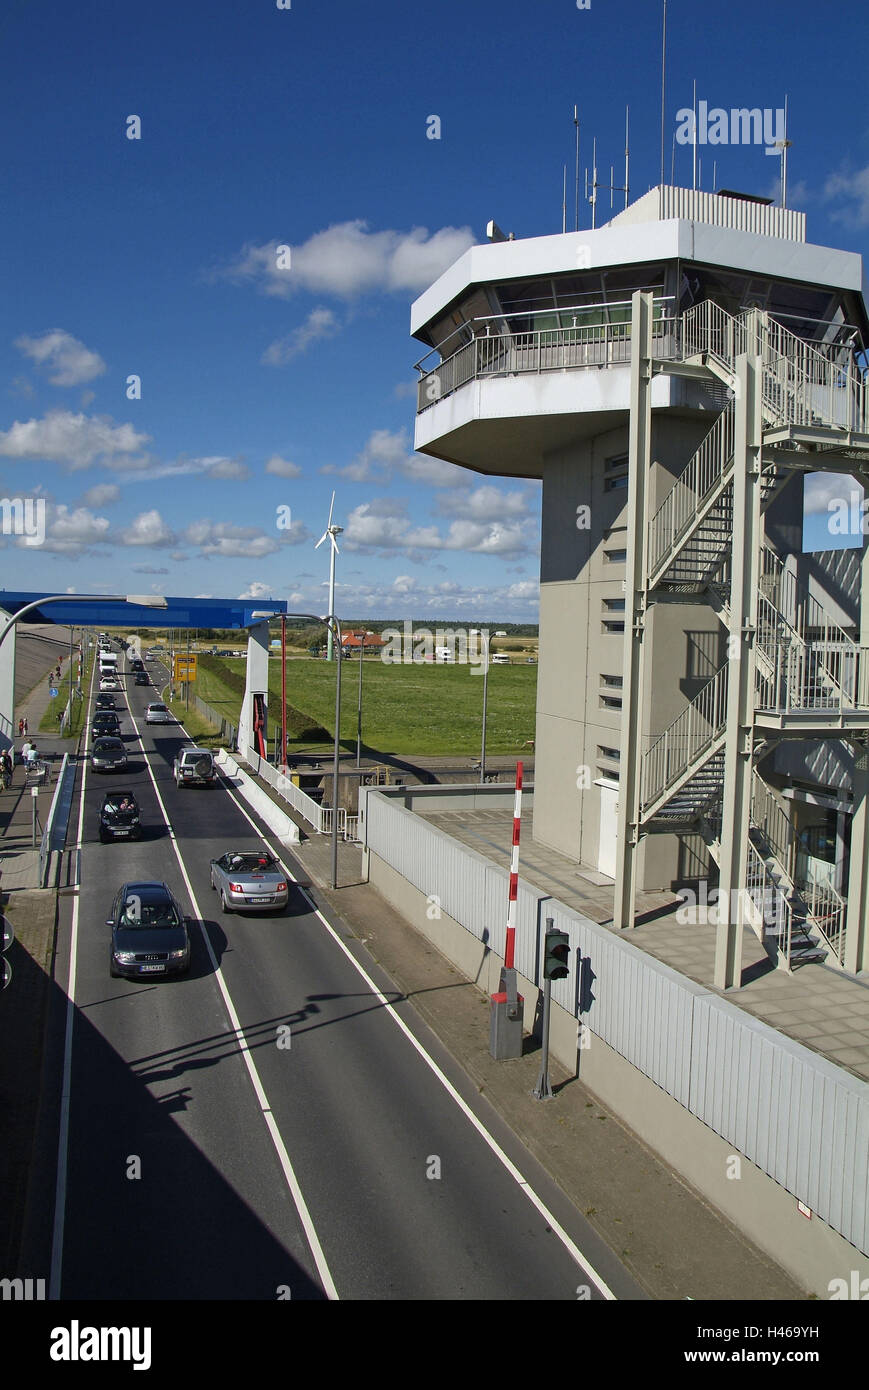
555	965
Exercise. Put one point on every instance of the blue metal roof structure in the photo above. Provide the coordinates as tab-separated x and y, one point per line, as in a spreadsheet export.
179	613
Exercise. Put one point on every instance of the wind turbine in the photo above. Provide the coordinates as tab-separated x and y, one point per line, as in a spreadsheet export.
331	531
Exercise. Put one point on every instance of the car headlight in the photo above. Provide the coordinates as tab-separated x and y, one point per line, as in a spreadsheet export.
125	957
135	820
178	955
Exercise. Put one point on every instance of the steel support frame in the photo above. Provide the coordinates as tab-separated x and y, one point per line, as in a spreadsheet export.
856	953
636	607
738	748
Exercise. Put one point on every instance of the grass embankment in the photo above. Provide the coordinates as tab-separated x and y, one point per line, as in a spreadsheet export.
49	723
423	711
201	730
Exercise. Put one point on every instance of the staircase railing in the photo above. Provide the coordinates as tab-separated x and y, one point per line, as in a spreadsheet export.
690	493
685	740
802	383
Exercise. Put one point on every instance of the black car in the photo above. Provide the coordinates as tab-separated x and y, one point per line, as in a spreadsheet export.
142	678
137	664
149	933
108	755
105	701
106	724
119	817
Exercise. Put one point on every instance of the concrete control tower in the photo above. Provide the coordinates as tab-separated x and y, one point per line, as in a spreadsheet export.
703	684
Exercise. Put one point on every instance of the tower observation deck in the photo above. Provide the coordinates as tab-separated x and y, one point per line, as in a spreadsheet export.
703	683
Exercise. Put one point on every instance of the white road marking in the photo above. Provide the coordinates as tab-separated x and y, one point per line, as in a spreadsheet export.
262	1099
569	1245
66	1084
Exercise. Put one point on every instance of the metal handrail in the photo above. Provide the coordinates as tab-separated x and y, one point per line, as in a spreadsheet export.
703	474
691	733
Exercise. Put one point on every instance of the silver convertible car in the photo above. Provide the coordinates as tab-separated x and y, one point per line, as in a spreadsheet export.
248	881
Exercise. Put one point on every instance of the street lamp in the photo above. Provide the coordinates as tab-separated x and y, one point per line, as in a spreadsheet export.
139	600
484	639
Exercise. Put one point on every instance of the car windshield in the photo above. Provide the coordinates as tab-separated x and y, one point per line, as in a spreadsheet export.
158	709
252	863
107	745
122	801
148	916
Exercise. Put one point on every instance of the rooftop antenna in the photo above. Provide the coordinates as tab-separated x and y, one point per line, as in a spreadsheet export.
784	145
694	135
627	155
663	76
576	181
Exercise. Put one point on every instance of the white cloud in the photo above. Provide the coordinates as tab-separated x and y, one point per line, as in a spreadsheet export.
223	538
850	189
347	259
149	569
70	361
282	468
71	531
375	526
149	528
226	468
78	441
101	495
389	451
485	503
256	589
823	488
320	323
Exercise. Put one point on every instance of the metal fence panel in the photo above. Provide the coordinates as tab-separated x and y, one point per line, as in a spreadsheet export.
801	1119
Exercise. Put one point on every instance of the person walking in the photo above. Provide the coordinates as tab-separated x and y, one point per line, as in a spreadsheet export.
5	768
26	729
21	728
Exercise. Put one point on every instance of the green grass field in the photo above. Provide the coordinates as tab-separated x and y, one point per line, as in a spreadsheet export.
429	710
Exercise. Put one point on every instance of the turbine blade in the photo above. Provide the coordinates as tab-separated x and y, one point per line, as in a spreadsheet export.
331	505
334	544
321	540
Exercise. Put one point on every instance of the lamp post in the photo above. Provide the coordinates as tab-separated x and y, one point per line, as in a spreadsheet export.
137	600
484	639
359	710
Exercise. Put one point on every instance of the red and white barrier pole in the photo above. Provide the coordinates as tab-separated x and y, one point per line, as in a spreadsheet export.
505	1037
510	947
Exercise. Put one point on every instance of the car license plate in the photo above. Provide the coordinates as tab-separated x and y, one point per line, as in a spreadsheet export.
122	832
151	969
259	900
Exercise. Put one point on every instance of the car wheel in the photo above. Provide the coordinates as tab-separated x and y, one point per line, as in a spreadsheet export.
224	905
115	974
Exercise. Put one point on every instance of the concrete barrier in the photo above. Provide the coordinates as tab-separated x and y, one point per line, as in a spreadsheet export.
286	829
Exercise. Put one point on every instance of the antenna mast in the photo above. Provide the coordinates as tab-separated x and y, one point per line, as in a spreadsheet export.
576	181
663	76
694	135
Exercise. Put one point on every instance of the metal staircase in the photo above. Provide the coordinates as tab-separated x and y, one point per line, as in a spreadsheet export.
804	661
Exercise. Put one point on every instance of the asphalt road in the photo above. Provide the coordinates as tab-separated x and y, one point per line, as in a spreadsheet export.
271	1126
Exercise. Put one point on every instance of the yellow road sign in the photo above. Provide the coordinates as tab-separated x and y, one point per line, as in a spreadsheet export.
184	668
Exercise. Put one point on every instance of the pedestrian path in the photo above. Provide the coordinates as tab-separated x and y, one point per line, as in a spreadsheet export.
19	859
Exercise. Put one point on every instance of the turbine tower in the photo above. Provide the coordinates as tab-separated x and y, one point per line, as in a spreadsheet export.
331	531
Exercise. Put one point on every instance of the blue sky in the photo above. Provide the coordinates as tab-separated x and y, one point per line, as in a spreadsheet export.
307	127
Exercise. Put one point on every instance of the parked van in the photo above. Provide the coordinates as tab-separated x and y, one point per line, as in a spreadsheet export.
500	659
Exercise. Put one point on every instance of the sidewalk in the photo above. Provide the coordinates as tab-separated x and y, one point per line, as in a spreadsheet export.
20	860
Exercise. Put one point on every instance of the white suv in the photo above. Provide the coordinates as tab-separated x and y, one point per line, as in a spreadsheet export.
195	765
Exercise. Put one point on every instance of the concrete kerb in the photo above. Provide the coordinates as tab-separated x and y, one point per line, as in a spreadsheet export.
282	825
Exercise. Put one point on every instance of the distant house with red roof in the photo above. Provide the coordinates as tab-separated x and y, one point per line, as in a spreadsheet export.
354	639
